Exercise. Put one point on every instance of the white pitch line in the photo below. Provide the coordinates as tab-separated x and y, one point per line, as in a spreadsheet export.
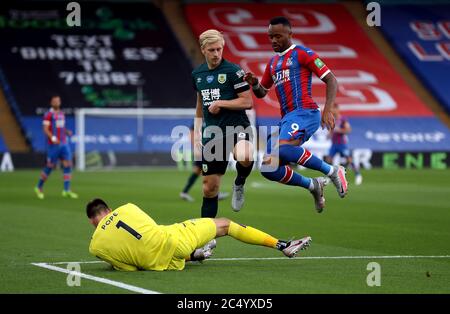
264	185
79	262
296	258
98	279
329	257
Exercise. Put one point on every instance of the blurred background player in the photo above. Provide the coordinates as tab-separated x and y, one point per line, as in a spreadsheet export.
130	240
222	98
196	172
58	148
339	143
290	72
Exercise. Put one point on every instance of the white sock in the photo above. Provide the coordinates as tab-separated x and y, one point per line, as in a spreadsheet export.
311	185
331	171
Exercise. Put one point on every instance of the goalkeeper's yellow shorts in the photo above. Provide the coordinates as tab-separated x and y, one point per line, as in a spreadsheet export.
191	234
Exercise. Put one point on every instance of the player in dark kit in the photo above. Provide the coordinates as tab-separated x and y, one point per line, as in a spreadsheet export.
196	172
222	126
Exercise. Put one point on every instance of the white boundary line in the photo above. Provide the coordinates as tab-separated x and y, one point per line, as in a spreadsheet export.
122	285
284	258
98	279
329	257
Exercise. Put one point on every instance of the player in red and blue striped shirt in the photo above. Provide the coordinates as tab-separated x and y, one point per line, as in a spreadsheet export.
339	141
54	125
290	71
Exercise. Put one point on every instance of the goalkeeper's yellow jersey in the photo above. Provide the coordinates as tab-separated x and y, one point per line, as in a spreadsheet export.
129	240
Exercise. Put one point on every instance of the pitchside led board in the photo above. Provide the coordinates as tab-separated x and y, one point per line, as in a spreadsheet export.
118	47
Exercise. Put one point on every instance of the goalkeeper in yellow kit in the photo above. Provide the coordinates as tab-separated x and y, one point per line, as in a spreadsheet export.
129	239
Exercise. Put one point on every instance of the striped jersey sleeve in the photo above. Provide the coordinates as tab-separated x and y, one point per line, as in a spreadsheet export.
237	78
314	64
266	81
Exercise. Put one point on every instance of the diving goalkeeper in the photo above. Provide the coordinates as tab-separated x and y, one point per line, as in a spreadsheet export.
130	240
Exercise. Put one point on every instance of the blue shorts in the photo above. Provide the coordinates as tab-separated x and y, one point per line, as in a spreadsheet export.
341	149
297	125
56	152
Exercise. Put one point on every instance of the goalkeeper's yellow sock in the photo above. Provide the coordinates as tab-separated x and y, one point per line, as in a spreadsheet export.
251	235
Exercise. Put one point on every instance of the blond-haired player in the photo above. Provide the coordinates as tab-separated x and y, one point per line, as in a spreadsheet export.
222	98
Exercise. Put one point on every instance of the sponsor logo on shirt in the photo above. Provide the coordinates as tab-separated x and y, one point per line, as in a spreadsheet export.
319	63
240	73
60	123
210	95
281	77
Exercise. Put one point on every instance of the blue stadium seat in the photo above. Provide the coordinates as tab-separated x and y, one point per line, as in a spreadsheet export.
3	147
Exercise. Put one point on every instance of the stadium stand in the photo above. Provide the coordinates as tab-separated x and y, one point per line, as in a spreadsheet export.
396	61
420	34
9	127
3	147
119	49
173	11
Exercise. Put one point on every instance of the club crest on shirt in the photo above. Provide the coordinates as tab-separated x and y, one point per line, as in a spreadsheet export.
289	62
222	78
210	78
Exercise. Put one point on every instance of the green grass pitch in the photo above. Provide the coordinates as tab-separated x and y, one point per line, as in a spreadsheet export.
400	213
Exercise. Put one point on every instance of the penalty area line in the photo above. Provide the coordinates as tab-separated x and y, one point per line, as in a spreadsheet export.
95	278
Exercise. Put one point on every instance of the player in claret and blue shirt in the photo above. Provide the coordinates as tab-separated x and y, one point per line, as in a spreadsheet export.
54	126
339	143
290	71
